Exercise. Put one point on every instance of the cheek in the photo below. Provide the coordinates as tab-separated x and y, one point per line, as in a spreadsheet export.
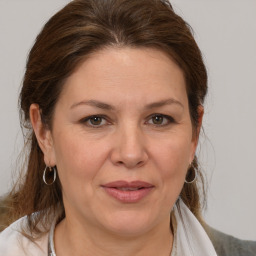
170	163
77	159
172	159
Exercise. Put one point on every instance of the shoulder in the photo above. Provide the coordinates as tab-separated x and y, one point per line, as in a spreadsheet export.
226	245
13	242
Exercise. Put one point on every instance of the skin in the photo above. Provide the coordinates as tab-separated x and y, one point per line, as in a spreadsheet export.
129	143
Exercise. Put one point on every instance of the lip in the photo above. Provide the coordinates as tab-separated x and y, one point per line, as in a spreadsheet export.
117	190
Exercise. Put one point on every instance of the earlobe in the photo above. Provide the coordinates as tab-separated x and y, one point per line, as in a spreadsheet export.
43	135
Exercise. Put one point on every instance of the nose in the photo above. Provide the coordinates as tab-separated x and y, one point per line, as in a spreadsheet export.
129	148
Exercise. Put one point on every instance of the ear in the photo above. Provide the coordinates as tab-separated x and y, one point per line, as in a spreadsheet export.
196	132
200	111
43	135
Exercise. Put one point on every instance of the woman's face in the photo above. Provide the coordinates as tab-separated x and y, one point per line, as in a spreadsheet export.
122	140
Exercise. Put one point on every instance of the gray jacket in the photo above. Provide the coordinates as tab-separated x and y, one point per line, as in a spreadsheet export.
226	245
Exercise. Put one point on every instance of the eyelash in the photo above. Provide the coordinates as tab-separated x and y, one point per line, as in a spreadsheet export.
170	120
85	121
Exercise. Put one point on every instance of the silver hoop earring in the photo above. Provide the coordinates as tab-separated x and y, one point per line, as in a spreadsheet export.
195	175
47	173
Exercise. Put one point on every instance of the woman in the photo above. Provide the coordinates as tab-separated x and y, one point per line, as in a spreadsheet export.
112	104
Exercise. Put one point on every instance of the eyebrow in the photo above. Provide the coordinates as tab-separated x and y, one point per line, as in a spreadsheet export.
163	103
93	103
102	105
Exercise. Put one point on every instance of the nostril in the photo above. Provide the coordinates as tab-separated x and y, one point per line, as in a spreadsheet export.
121	156
129	164
140	163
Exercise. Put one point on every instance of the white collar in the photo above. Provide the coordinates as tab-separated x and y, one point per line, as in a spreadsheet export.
190	237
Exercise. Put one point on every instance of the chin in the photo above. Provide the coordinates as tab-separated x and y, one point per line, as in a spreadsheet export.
130	224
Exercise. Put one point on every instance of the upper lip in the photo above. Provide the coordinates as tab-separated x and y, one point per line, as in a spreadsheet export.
128	184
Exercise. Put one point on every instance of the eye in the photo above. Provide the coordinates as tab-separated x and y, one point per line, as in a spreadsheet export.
160	120
94	121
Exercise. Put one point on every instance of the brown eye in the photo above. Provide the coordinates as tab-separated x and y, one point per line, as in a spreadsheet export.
160	120
157	119
96	120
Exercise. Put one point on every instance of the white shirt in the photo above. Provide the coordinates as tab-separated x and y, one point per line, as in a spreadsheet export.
13	243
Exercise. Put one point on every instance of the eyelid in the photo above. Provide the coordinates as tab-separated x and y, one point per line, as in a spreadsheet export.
86	119
169	118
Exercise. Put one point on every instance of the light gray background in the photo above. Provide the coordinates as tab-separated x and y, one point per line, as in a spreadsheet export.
226	33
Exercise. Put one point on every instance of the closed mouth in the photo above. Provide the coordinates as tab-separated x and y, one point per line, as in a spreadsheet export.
128	192
128	185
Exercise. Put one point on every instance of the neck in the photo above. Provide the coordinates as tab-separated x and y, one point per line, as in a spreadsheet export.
76	239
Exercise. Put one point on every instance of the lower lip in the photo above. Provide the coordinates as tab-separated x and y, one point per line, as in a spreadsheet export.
128	196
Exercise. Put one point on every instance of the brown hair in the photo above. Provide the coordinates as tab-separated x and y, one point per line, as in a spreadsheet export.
79	29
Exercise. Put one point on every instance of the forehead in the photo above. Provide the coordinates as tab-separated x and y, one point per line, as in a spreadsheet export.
126	73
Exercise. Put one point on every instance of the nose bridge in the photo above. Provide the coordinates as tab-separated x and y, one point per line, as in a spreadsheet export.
130	146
